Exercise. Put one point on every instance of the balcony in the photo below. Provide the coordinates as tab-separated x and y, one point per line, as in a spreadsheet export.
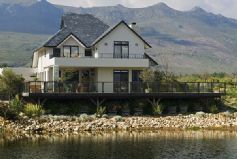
101	60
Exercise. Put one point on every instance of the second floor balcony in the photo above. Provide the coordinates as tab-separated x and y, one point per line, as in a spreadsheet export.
100	60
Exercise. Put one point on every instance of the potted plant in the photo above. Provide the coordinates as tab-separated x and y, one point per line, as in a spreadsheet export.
147	76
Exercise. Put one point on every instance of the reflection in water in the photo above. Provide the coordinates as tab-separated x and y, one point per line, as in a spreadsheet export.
139	145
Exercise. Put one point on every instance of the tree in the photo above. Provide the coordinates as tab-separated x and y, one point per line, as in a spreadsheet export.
147	76
11	83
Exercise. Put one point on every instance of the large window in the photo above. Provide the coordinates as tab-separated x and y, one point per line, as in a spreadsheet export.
70	51
120	81
121	49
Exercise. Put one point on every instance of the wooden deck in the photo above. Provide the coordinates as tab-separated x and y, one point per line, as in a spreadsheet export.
122	95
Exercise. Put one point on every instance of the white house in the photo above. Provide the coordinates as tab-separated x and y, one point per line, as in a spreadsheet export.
88	55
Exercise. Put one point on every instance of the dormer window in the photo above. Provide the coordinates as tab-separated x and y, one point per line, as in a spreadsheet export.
70	51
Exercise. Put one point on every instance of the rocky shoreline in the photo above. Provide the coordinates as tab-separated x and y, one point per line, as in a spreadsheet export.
84	123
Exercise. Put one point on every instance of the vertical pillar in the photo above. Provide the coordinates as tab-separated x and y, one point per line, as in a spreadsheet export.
129	80
55	77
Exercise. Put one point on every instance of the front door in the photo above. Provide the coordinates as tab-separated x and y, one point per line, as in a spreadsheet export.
121	81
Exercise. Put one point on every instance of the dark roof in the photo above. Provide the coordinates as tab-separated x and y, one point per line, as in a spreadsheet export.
110	29
85	27
152	60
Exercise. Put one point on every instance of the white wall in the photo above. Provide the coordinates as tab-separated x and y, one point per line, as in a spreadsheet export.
121	33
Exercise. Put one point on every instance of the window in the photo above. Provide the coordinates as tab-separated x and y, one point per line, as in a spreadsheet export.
121	81
70	51
74	51
136	75
121	49
88	53
56	52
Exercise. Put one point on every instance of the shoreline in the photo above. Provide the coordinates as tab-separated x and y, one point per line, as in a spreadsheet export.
89	123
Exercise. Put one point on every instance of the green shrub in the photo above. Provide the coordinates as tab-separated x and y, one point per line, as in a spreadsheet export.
213	109
5	110
158	108
16	105
33	110
100	110
11	83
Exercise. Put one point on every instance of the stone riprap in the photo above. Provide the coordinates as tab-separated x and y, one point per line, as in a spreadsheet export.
84	123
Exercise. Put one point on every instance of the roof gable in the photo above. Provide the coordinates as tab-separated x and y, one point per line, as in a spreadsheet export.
112	28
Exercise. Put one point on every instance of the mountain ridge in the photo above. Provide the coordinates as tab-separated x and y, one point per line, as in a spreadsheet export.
192	41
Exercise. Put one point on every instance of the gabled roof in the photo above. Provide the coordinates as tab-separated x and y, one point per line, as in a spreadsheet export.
110	29
85	27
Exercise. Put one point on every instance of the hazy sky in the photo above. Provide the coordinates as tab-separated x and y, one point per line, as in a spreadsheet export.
225	7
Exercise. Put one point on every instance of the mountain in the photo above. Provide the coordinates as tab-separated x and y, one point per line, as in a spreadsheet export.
194	41
20	2
38	17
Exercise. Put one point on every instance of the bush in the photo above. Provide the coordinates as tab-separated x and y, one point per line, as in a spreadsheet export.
11	83
33	110
213	109
5	110
158	108
100	110
16	105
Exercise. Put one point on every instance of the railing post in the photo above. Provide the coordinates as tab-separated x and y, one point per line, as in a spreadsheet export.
198	87
44	87
186	89
211	87
103	84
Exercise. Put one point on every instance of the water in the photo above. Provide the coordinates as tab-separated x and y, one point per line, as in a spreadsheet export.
143	145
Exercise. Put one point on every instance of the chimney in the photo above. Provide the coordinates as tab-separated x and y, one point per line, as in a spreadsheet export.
133	25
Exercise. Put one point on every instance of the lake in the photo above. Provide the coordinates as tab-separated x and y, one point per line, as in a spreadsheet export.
123	145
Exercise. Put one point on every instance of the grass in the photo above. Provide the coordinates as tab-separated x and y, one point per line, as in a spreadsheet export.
17	48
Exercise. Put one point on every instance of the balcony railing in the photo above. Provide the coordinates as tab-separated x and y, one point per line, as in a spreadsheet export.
123	87
106	55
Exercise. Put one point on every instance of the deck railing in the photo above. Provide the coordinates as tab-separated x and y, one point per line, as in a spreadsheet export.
124	87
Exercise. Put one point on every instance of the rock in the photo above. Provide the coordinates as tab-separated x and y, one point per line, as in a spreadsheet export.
84	117
200	114
118	118
105	116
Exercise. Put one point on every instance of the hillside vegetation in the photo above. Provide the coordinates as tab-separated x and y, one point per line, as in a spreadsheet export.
16	48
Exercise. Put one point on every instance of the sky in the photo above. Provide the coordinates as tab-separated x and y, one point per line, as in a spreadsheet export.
225	7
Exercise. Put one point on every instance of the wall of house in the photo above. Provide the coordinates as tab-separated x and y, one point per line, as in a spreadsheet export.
44	61
121	33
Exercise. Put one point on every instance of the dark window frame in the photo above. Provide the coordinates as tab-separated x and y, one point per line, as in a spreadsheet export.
70	46
121	44
86	51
